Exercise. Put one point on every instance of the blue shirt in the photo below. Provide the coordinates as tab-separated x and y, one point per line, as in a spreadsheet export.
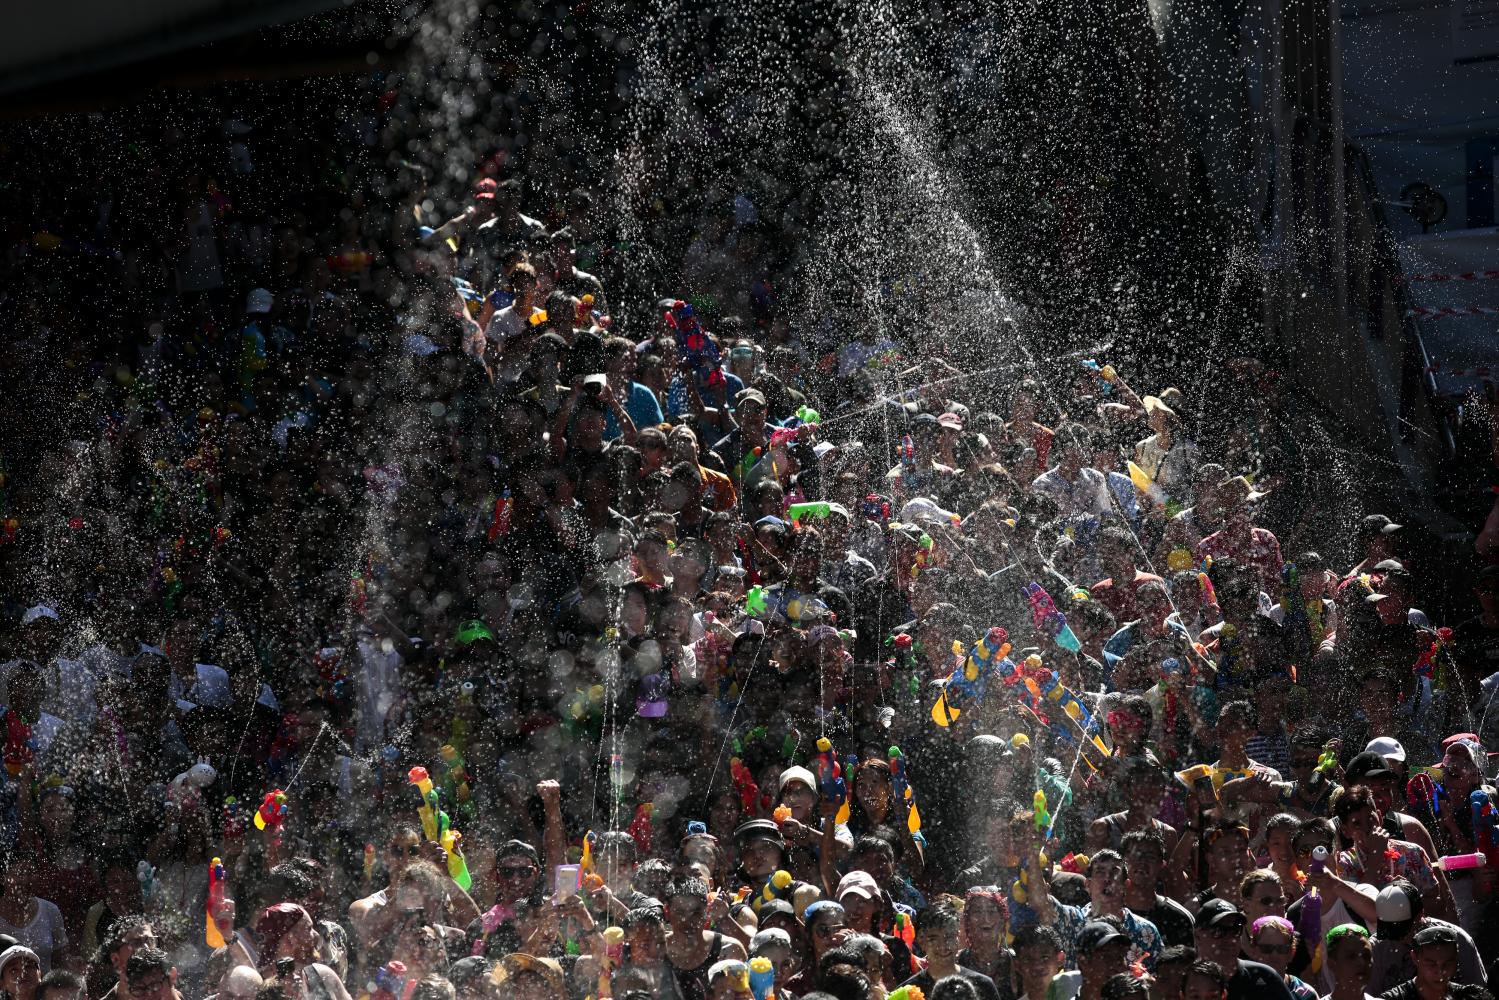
642	407
676	393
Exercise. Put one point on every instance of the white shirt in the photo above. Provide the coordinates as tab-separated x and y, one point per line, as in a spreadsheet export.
1087	496
44	935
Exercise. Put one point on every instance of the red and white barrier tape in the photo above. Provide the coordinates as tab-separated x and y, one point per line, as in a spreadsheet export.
1490	275
1443	312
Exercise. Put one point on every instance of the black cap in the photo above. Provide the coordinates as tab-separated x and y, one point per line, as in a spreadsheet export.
551	340
774	908
1365	766
1217	912
1097	934
759	829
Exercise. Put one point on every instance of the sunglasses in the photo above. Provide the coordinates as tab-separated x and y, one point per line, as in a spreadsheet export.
515	872
1268	901
1225	931
1274	949
410	850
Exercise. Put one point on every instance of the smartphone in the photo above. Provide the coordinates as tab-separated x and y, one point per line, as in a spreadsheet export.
564	883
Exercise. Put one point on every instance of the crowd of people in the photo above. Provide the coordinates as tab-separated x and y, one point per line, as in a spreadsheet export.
390	612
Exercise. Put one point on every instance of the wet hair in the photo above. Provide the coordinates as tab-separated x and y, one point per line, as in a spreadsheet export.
146	961
1210	971
841	973
1352	800
941	915
1148	838
1123	986
1038	936
122	928
1176	953
1239	713
954	987
687	885
1257	876
59	979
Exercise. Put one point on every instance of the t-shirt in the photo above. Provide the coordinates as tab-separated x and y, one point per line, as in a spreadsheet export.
642	406
981	983
1393	965
1410	862
1172	919
44	935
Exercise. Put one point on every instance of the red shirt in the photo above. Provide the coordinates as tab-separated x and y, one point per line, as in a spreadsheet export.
1260	550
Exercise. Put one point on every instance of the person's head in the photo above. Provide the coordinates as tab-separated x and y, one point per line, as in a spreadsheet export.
1038	955
127	935
762	849
1154	603
1107	873
1272	942
1280	832
1358	816
1124	986
1219	927
1398	909
798	792
527	977
1236	723
403	847
517	871
750	410
1129	724
60	984
859	895
240	982
1207	980
985	915
1263	895
1395	596
149	975
20	971
1462	765
1226	848
954	987
1144	854
1117	554
1311	834
686	904
827	926
1434	954
1349	954
286	931
876	855
774	944
1102	949
937	931
841	973
1171	968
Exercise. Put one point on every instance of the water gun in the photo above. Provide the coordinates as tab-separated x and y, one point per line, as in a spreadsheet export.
390	981
1105	374
789	605
762	977
1048	620
830	782
778	886
1042	814
807	415
369	863
694	346
1327	763
812	508
904	929
1423	793
640	827
1045	686
754	601
907	461
902	789
614	951
926	554
434	820
1461	862
457	863
1435	642
19	746
272	812
1319	860
1485	826
744	784
875	508
211	933
499	521
455	780
1309	925
781	814
967	686
906	993
747	463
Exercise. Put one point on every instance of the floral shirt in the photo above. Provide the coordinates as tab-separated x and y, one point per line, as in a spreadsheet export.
1145	939
1408	860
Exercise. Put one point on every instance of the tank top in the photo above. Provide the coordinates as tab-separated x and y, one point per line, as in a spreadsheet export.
693	983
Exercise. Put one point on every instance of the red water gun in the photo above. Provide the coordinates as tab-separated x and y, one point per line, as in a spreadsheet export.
829	772
640	827
272	812
1435	642
744	783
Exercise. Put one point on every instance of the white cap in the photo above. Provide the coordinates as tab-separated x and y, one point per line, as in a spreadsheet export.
259	302
39	611
1387	747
